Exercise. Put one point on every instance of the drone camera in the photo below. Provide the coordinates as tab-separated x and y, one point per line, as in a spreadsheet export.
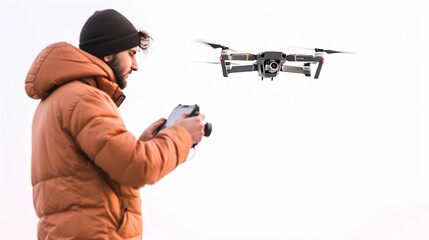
272	66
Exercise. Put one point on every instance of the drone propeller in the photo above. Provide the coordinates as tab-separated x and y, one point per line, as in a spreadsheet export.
215	45
329	51
322	50
230	63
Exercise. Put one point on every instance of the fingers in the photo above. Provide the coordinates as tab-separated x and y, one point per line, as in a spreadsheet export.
201	116
182	116
194	125
151	130
157	124
198	134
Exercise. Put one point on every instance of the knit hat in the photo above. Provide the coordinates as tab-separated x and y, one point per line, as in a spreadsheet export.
108	32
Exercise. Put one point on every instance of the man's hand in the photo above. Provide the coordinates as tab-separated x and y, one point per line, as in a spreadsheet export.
194	125
150	131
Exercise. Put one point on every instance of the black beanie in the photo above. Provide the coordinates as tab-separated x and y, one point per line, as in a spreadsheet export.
108	32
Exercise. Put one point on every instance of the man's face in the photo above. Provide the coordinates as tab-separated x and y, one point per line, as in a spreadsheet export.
122	64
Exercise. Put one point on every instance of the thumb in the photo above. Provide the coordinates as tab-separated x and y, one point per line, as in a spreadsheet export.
182	116
157	123
153	128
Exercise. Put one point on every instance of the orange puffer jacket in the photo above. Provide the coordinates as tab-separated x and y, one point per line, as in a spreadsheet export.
86	167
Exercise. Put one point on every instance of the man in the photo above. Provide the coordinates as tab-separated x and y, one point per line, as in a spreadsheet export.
86	167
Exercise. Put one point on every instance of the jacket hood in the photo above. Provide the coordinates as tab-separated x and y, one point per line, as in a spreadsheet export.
60	63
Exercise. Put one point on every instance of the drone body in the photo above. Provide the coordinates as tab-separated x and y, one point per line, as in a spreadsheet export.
270	63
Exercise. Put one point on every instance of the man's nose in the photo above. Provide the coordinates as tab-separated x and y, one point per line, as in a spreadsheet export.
134	65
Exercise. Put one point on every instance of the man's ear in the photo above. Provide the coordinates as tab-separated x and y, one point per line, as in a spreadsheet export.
108	58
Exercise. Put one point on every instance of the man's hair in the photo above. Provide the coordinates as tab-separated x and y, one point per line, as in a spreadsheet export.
145	40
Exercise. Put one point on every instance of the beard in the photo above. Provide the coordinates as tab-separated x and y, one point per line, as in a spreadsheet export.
114	64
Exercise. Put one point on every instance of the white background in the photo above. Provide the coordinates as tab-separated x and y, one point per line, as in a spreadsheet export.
341	157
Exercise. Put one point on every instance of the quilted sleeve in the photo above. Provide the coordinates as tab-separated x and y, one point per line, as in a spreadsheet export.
100	133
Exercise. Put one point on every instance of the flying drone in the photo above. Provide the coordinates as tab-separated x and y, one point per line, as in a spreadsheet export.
269	63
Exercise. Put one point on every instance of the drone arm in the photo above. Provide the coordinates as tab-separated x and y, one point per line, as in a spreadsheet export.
243	68
303	58
240	56
309	59
292	69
